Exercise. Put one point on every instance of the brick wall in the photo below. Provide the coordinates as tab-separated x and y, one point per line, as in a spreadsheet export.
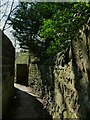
8	57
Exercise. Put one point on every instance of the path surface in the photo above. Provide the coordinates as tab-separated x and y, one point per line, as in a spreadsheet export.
26	106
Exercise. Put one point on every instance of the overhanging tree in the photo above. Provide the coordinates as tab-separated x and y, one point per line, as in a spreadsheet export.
26	22
64	25
48	26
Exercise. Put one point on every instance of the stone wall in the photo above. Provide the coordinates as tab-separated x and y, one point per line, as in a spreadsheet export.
72	81
64	81
41	78
8	57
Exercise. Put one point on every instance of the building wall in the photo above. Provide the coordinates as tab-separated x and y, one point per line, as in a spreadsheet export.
8	57
0	74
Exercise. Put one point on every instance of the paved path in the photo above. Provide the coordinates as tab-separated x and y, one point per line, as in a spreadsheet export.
26	106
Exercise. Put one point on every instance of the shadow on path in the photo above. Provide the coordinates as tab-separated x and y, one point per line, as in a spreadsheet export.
26	107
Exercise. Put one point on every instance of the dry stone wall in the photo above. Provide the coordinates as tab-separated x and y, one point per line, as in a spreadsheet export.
72	81
8	57
40	78
64	81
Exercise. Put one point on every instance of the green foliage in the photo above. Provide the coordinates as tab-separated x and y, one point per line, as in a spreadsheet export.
49	26
47	29
64	25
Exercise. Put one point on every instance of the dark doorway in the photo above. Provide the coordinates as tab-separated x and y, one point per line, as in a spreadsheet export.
22	74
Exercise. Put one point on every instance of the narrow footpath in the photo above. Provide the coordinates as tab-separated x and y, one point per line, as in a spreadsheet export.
26	106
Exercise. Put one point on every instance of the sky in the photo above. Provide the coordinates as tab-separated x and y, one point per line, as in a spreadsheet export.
3	19
6	9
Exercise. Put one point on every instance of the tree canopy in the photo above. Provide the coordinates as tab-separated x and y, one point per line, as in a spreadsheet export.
48	27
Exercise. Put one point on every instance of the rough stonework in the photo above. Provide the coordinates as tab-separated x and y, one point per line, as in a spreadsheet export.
72	80
64	81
